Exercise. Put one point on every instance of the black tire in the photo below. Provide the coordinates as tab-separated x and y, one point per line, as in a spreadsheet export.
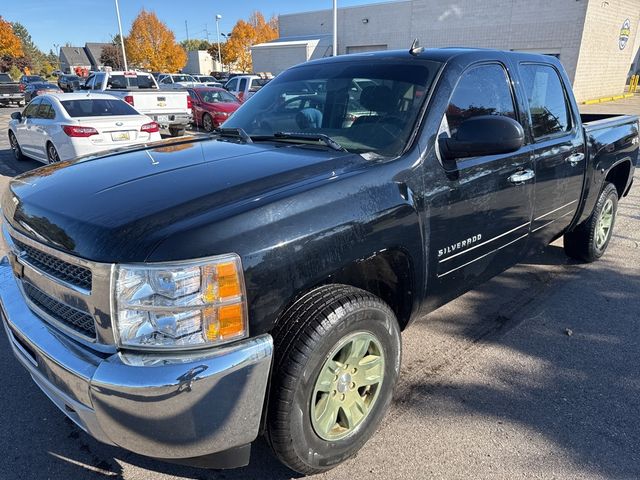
52	153
584	242
15	147
304	338
207	123
176	131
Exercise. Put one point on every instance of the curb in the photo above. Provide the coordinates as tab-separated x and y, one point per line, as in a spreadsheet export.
607	99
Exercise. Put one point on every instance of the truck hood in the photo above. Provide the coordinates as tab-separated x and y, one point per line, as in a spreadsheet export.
117	208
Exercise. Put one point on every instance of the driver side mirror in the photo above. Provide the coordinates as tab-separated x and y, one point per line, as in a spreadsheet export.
17	116
483	135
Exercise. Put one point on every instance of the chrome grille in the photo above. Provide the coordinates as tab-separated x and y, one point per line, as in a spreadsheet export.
79	321
73	274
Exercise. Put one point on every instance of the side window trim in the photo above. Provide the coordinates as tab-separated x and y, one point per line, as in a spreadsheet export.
570	116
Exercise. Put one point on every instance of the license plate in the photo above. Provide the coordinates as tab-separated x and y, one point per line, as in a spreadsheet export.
162	118
120	136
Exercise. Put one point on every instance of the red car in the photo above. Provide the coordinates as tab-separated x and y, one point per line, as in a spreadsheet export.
212	106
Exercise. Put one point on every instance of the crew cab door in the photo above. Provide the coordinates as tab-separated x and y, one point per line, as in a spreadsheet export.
480	223
559	151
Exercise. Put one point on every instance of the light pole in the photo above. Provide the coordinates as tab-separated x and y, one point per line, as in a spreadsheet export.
218	18
335	28
124	54
226	36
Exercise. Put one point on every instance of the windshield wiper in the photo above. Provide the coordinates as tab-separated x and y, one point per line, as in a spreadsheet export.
326	139
234	132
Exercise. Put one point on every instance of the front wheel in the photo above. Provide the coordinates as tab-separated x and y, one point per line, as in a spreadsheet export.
589	240
337	360
207	123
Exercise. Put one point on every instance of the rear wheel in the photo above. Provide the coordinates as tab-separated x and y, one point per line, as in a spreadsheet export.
337	359
15	147
52	153
207	123
589	240
176	131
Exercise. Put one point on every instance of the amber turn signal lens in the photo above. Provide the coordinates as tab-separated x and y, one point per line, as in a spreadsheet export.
231	320
228	280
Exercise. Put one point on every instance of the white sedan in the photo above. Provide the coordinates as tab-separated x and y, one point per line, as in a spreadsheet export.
64	126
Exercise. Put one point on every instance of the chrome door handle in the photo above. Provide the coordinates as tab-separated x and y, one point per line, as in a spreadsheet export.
521	177
575	158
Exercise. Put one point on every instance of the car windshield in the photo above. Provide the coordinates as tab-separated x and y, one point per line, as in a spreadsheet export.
215	96
97	107
327	99
183	78
33	78
43	86
207	79
139	81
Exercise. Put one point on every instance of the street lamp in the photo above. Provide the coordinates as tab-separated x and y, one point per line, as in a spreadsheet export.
124	54
218	18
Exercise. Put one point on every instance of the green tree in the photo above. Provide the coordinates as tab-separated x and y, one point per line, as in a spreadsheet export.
33	54
194	44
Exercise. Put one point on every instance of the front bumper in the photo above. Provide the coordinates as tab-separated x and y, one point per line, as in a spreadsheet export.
164	406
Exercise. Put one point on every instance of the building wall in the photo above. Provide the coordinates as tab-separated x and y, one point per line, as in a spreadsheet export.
546	26
199	62
603	67
276	58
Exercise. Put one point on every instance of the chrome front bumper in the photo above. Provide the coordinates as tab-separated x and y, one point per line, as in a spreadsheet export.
164	406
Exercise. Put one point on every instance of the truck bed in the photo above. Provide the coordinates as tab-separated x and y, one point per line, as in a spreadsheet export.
597	121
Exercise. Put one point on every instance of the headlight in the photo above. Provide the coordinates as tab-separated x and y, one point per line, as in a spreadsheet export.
180	305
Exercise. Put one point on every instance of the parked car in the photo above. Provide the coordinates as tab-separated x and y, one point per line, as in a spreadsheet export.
69	83
176	81
27	79
244	86
171	110
212	106
32	90
10	92
207	80
63	127
178	301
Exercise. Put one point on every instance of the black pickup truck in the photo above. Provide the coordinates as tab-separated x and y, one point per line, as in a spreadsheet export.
10	92
181	299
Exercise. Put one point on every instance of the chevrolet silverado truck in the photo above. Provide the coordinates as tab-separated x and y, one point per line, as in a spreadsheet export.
170	109
10	92
182	299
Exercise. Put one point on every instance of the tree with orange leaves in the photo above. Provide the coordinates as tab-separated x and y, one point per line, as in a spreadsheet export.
246	34
10	45
151	45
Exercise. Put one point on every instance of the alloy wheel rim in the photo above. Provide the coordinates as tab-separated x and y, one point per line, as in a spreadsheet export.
14	145
347	386
605	222
207	123
53	154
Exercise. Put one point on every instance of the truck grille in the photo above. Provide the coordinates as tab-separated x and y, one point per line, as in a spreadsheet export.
73	274
77	320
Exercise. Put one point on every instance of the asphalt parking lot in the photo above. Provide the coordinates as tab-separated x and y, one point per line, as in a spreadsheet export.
533	375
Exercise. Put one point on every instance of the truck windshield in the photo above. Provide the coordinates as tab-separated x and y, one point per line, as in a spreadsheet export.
365	107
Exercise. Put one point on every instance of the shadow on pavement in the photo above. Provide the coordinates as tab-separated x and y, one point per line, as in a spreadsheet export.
583	386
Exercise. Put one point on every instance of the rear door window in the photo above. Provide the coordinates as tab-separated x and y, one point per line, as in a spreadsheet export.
547	100
482	90
243	85
45	110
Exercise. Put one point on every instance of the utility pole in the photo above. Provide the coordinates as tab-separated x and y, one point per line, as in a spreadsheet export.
218	18
186	27
124	54
335	28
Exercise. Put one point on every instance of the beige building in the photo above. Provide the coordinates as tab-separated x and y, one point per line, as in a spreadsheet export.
596	40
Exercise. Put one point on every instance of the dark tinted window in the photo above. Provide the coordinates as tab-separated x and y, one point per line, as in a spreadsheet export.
31	110
97	108
4	78
547	102
46	111
483	90
140	81
243	84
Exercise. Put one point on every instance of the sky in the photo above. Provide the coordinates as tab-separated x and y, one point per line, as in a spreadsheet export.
52	23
